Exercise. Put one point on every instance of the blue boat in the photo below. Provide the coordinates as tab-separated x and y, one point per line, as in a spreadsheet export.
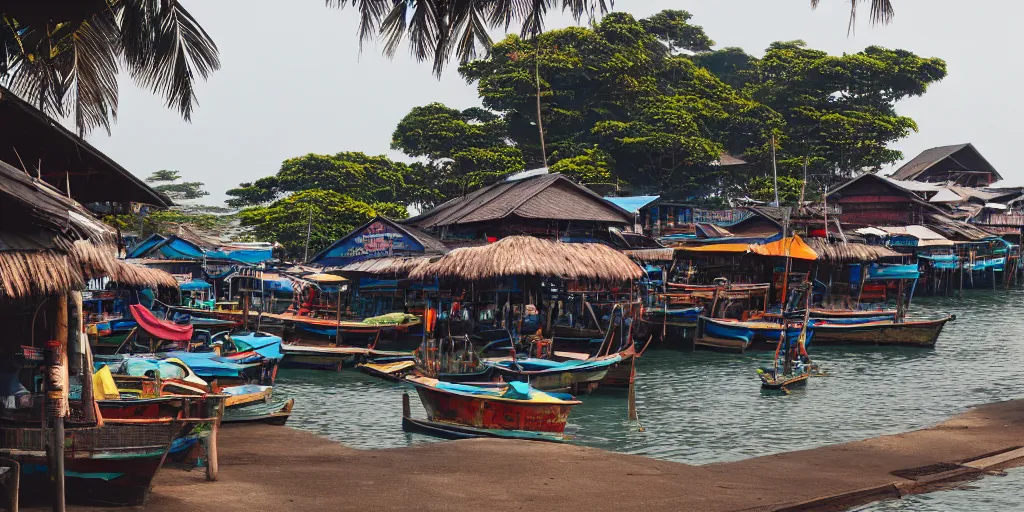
547	375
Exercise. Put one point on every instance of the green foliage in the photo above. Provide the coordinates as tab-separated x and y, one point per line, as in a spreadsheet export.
673	29
762	188
261	191
661	120
840	110
176	191
593	166
330	214
464	150
358	175
164	221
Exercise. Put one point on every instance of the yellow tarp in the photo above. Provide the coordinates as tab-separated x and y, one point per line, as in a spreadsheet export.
325	278
717	248
793	247
103	386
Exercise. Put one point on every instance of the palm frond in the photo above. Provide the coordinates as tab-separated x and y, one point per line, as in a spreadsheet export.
439	29
881	12
181	50
90	73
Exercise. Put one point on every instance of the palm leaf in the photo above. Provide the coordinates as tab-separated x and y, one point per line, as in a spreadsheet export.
181	50
439	29
881	12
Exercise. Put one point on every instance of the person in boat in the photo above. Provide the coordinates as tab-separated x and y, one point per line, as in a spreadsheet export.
530	324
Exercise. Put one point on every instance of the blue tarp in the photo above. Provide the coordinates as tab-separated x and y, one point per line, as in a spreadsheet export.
893	272
249	256
195	285
206	364
266	346
632	204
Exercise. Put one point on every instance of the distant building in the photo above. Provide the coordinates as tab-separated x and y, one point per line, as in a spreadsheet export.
533	203
960	164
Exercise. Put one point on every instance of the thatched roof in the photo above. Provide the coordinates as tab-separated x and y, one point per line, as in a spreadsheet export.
849	252
529	256
659	254
136	275
393	265
50	244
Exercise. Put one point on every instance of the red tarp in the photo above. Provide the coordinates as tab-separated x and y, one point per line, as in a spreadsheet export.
161	329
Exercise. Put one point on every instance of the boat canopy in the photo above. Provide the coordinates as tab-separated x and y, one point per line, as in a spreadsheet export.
160	329
792	247
195	285
729	248
876	272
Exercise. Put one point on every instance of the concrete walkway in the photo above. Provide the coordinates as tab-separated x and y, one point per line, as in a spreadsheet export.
278	469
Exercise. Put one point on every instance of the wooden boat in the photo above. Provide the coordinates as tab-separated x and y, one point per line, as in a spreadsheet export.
446	430
771	381
393	371
911	333
716	334
269	413
500	406
545	374
140	408
326	357
112	465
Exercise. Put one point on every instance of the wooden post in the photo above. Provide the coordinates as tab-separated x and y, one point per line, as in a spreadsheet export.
632	391
212	461
337	330
56	391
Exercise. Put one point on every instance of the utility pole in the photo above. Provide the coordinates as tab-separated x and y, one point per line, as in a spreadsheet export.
775	174
309	230
540	123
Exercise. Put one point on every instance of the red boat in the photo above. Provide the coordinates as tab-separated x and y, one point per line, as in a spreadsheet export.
499	406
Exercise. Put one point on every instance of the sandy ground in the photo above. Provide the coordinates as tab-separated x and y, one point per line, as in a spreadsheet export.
279	468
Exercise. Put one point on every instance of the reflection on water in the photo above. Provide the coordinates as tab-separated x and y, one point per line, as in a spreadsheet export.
705	407
998	494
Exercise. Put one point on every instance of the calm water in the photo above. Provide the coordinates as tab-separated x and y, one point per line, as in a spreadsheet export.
993	493
705	407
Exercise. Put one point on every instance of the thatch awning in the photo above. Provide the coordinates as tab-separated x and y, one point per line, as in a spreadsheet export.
529	256
392	265
720	248
659	254
36	273
849	252
136	275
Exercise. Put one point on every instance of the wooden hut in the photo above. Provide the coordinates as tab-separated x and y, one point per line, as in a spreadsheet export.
50	246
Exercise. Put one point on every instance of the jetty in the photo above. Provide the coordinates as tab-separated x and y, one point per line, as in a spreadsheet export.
267	468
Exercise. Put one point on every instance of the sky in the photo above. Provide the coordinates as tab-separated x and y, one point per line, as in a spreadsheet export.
294	81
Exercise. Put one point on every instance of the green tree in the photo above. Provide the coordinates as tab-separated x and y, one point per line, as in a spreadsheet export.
65	56
661	120
166	182
464	150
840	111
327	214
371	179
594	165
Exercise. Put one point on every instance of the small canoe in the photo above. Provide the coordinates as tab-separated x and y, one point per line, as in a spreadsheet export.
548	375
452	431
911	333
394	372
270	413
246	394
772	382
500	406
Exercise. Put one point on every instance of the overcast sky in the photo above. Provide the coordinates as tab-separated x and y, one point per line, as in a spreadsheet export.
293	81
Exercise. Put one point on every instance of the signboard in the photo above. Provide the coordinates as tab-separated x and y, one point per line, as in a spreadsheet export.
377	240
721	217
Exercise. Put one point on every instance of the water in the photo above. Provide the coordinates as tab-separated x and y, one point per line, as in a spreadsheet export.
991	494
706	407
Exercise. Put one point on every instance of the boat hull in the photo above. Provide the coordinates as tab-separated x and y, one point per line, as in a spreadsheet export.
113	465
484	413
912	334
